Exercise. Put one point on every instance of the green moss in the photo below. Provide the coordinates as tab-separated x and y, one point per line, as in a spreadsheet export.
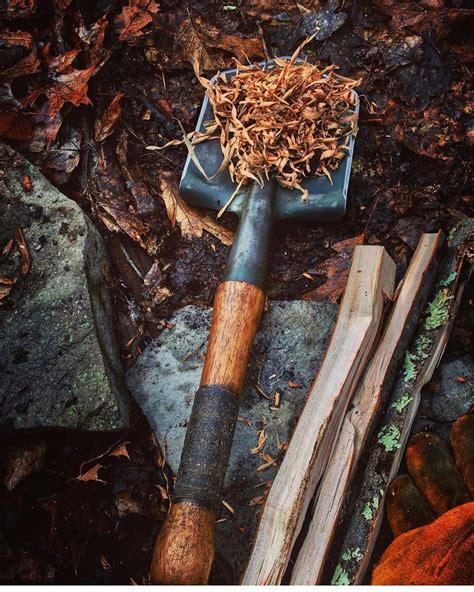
449	280
367	512
389	438
422	347
438	313
409	369
371	507
340	577
402	402
352	554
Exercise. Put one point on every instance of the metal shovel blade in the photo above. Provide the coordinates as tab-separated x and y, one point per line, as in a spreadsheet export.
325	202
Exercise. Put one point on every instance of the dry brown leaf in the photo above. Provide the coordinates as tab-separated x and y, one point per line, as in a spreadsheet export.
6	286
92	474
266	465
22	462
336	269
189	45
14	126
70	84
26	183
105	125
126	505
120	450
243	48
136	15
191	222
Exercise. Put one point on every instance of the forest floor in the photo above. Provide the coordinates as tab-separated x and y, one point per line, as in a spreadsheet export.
86	86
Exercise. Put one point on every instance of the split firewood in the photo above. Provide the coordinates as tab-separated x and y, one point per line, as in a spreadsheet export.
371	394
370	285
360	532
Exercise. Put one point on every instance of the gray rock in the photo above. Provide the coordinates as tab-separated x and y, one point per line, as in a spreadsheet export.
289	347
59	360
446	397
324	22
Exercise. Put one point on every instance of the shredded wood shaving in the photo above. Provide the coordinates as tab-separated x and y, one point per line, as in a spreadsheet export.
262	440
290	122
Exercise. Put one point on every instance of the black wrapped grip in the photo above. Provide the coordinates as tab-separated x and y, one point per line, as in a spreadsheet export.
207	446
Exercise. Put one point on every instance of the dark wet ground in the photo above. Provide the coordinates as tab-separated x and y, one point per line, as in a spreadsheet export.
411	174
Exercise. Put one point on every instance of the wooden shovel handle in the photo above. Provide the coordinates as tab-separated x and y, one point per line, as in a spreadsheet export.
184	550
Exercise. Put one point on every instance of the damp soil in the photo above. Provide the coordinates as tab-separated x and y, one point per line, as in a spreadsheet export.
410	175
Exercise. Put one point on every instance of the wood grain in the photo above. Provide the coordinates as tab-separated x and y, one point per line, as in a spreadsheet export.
373	390
370	285
361	527
237	310
184	549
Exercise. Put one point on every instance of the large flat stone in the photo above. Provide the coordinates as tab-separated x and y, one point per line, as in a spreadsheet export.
288	350
59	361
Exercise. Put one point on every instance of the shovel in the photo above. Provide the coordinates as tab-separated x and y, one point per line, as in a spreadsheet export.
184	549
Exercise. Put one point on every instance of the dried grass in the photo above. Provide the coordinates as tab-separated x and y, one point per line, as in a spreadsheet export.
292	122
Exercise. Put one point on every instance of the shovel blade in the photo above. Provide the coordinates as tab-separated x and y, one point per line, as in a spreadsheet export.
325	201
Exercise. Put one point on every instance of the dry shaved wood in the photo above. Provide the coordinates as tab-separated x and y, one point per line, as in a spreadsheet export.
292	121
370	284
368	400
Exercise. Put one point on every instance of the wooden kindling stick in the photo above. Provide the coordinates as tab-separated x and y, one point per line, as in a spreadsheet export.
359	533
370	396
370	284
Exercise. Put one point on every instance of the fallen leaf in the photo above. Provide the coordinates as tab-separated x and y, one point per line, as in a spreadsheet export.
14	126
26	183
195	37
189	46
68	84
25	255
126	505
6	286
136	15
420	16
293	385
92	474
336	269
65	154
117	220
105	125
15	9
191	222
29	64
243	48
22	462
45	128
120	450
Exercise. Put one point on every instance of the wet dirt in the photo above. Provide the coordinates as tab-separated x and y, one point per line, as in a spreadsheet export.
411	174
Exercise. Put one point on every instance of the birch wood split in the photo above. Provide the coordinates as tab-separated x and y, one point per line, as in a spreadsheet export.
368	400
370	284
360	532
